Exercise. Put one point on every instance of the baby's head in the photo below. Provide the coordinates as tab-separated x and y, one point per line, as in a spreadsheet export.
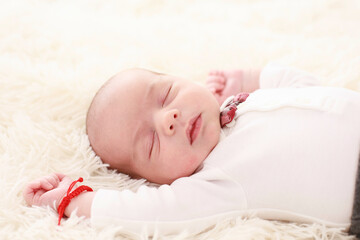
154	126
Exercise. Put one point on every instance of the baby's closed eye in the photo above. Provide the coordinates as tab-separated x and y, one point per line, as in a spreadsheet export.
165	96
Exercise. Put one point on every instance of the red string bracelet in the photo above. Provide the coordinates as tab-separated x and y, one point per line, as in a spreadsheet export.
66	200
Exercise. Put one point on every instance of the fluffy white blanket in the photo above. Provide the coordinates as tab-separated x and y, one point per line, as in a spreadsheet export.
54	55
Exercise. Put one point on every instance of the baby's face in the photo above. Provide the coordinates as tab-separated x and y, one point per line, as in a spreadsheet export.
155	126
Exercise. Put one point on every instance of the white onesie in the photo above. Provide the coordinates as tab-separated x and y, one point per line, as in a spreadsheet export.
291	155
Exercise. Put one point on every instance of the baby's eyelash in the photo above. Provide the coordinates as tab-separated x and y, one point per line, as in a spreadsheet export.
166	96
152	144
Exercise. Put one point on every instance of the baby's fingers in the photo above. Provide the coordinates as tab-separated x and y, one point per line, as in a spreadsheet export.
215	87
46	184
36	197
53	179
217	79
59	176
33	190
30	191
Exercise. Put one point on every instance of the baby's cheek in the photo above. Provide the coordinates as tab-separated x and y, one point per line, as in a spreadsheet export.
185	166
194	161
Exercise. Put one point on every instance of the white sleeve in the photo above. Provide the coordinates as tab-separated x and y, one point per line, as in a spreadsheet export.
162	209
279	76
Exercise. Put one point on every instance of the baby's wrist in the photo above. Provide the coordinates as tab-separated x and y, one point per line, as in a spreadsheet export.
58	201
66	200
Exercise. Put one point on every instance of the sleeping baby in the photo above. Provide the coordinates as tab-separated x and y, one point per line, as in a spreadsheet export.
285	148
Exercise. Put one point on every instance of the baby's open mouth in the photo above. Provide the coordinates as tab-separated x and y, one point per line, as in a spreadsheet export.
193	128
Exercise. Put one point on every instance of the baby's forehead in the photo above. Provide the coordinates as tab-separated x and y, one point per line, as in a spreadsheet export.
131	85
129	81
137	79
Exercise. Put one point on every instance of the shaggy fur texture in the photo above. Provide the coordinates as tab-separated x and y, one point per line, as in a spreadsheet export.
54	55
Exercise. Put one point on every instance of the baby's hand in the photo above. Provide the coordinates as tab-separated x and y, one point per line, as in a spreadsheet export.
47	190
225	83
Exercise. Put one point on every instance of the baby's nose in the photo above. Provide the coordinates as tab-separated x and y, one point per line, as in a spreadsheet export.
169	121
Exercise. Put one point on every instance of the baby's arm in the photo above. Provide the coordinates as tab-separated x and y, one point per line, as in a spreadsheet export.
149	208
227	83
48	191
